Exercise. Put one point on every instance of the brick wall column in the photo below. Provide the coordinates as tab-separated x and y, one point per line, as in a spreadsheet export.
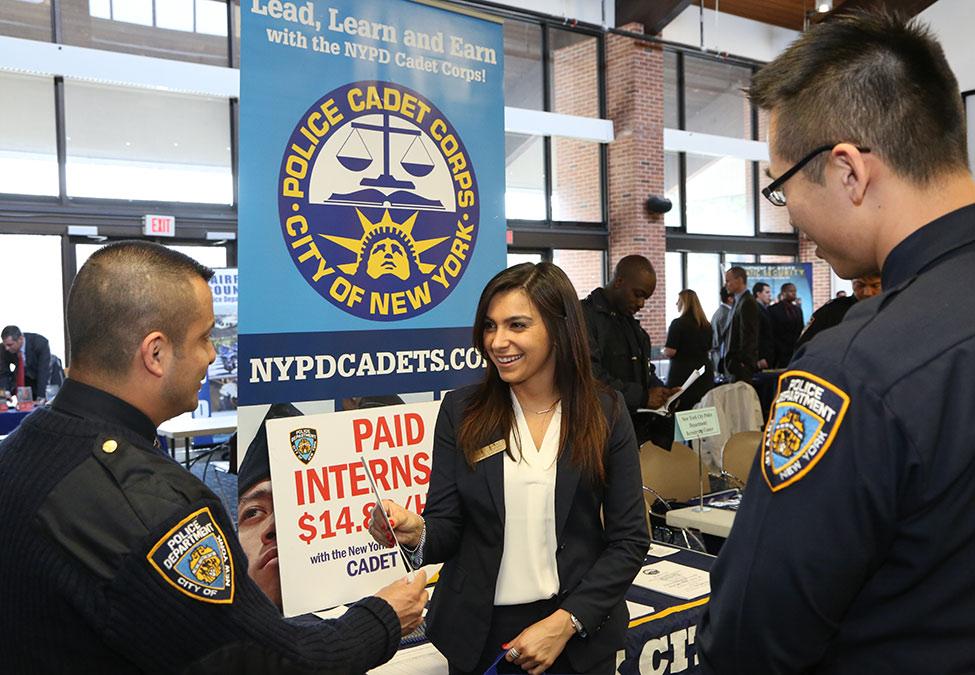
635	103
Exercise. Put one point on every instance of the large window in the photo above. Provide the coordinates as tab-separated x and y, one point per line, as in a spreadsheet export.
524	177
185	30
26	19
523	86
718	197
28	142
714	98
34	301
145	145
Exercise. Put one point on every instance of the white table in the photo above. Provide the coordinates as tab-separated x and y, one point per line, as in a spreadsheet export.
187	428
713	521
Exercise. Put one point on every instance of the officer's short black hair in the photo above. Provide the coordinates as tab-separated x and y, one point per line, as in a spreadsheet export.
759	287
123	292
873	78
10	332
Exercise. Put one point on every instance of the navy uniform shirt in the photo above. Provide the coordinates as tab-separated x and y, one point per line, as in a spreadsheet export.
854	548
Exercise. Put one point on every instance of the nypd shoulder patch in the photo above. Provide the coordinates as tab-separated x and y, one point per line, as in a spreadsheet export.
194	558
806	416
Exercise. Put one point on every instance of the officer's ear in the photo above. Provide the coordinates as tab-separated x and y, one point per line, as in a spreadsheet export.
155	352
853	169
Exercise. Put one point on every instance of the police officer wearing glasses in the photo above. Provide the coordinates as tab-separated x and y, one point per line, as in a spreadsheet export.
853	548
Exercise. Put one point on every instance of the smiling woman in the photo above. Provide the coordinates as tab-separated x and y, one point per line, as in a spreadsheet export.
538	443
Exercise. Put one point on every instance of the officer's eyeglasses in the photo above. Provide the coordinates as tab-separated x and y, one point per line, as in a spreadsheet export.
774	193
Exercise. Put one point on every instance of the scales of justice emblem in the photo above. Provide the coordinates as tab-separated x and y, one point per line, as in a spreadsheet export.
381	202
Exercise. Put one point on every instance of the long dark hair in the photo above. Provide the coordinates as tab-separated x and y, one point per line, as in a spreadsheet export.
489	411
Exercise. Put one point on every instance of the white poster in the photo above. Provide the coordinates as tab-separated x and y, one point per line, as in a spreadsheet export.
322	497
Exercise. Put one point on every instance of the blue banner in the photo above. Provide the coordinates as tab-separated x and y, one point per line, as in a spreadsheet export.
371	192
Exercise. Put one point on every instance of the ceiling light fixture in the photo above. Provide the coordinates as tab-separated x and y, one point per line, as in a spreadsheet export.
823	6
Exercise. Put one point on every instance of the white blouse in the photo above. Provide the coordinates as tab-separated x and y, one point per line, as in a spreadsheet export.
528	569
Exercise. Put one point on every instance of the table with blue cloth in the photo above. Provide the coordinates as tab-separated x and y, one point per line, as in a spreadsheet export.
663	642
660	643
10	419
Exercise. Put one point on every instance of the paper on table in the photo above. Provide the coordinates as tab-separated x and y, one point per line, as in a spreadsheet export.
663	410
660	550
670	578
637	609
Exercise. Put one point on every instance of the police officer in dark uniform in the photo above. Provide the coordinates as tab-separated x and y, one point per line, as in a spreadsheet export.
853	548
832	313
116	559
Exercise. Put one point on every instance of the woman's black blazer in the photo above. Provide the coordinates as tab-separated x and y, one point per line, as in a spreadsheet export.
601	533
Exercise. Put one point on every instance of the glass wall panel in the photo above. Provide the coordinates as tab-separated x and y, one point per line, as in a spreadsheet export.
183	30
576	184
715	102
146	145
671	117
28	19
524	177
674	283
704	278
36	306
574	81
672	188
28	139
523	65
518	257
719	200
583	267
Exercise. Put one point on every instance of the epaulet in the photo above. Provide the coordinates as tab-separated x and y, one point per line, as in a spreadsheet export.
153	484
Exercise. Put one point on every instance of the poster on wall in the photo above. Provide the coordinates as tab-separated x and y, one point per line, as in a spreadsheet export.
222	373
778	274
371	210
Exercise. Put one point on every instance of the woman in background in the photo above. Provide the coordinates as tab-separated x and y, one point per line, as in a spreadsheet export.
689	341
524	463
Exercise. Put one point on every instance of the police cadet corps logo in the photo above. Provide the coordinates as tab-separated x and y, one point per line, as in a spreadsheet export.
304	443
194	558
378	201
805	417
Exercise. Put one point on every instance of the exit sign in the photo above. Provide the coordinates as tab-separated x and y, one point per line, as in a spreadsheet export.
159	226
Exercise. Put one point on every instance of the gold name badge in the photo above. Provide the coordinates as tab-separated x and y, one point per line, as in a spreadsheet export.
489	450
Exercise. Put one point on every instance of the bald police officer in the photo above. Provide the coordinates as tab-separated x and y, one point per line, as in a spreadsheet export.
118	560
853	548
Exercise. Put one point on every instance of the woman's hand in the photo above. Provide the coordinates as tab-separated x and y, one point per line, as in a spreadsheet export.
407	526
540	644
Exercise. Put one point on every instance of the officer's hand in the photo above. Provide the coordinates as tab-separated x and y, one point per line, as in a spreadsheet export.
659	395
407	526
408	600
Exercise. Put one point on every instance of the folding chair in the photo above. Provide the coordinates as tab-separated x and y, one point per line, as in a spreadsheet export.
670	477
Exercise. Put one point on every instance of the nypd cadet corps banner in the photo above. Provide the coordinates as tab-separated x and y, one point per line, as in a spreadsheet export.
371	196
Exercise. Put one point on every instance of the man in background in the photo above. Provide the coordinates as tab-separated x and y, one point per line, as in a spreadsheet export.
24	362
766	345
125	561
787	323
741	361
851	551
621	350
832	312
720	330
